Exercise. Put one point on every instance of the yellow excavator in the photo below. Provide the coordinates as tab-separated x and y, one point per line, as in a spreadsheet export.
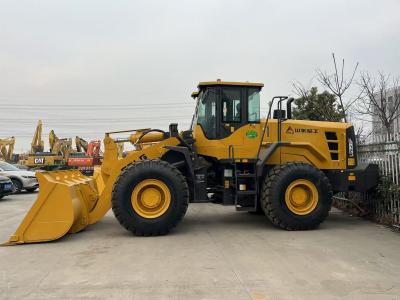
286	169
37	144
37	158
7	149
81	144
59	146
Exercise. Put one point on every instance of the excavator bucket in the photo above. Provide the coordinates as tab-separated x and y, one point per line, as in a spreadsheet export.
64	201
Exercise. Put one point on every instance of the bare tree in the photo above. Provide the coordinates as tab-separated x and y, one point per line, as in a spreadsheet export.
380	99
362	134
300	90
337	84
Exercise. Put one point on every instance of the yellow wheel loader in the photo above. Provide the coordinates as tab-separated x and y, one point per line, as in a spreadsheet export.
286	169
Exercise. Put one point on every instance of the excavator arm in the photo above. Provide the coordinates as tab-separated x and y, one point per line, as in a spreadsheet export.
37	144
7	148
81	144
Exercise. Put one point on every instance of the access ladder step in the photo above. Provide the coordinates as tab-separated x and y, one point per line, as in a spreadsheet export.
245	175
247	192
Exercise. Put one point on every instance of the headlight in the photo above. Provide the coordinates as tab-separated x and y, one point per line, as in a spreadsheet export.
351	147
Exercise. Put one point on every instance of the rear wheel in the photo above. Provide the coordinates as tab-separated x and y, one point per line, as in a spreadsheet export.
150	197
296	196
17	185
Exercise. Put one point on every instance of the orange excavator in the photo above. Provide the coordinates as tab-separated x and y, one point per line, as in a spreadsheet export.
87	156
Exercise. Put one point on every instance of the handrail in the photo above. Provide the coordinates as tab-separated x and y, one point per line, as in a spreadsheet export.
266	122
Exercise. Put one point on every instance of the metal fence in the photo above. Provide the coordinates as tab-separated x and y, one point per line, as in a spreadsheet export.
384	151
383	204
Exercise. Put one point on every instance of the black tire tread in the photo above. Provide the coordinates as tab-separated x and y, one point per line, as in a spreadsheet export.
266	200
118	208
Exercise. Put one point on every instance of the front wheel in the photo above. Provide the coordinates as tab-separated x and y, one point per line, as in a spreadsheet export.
296	196
150	197
31	190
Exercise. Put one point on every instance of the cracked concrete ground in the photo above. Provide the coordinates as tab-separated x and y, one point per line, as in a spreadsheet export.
215	253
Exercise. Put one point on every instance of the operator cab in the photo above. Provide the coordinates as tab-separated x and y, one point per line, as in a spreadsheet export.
223	107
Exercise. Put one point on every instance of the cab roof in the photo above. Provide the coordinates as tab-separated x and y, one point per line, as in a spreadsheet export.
219	82
231	83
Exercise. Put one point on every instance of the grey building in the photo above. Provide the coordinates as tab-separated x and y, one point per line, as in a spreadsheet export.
377	126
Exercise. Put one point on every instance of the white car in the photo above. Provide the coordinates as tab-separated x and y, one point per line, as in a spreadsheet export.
21	179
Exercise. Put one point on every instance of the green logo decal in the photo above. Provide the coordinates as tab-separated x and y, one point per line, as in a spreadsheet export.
251	134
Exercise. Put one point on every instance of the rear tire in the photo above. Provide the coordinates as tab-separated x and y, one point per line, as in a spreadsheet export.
130	215
314	194
17	185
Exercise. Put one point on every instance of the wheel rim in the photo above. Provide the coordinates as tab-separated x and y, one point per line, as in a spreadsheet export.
151	198
301	197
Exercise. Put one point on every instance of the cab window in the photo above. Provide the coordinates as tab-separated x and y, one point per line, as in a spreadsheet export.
231	106
253	101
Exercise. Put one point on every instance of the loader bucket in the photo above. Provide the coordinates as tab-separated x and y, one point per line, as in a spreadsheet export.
64	201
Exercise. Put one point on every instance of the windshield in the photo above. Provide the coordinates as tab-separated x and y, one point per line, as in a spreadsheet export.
8	167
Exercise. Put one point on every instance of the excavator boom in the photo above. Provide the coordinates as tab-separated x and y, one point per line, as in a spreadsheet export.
7	148
37	144
81	144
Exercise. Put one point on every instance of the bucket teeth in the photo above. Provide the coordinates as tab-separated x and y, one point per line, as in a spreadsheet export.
63	205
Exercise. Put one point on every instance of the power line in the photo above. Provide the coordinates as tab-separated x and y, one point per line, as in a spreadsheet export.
85	119
94	106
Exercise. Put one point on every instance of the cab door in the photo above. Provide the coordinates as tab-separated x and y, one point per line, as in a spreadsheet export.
228	118
232	109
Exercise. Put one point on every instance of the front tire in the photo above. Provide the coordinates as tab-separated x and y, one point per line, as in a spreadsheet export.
150	197
296	196
31	190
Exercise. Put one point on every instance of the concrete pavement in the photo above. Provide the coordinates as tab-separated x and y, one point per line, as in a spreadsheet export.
215	253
